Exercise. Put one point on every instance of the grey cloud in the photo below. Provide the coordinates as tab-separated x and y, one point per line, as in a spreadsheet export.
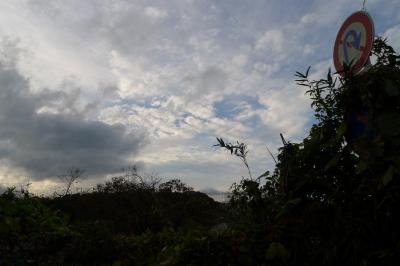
129	28
132	31
47	144
210	80
2	189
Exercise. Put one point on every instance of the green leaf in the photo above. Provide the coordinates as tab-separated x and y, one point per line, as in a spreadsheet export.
277	251
388	176
333	162
264	175
342	130
361	167
389	124
308	71
300	75
391	88
293	202
329	77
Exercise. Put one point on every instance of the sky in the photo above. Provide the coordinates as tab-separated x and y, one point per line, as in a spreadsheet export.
105	84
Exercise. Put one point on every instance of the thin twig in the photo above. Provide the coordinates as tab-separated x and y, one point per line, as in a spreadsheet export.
273	157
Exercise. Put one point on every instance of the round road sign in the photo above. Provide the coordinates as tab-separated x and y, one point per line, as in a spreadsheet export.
354	42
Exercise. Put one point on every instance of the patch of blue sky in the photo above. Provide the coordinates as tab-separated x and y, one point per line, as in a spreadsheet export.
254	122
181	119
381	15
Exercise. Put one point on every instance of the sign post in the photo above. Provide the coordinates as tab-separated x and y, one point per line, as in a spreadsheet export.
354	43
351	53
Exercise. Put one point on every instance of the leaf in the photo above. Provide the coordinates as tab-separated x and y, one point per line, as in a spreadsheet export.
264	175
361	167
301	84
277	251
333	162
293	202
329	77
342	130
389	124
388	176
391	89
308	70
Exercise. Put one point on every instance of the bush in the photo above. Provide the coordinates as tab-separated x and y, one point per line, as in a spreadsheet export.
30	233
333	198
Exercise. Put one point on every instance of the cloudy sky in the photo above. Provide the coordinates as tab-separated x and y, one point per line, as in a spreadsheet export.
104	84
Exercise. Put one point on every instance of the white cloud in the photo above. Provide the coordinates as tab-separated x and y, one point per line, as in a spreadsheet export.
310	18
309	49
155	12
240	60
162	66
271	40
268	69
286	111
393	37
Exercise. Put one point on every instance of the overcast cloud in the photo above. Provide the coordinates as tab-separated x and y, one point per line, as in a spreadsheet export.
45	133
100	84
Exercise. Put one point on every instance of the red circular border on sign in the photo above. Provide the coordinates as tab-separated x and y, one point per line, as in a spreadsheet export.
365	19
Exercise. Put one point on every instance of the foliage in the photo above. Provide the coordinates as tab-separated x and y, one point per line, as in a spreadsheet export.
239	150
130	180
174	185
335	195
30	233
331	200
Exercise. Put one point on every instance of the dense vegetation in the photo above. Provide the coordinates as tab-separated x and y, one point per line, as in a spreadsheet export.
120	221
333	199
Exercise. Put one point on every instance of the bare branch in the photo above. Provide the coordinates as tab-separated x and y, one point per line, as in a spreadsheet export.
71	177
